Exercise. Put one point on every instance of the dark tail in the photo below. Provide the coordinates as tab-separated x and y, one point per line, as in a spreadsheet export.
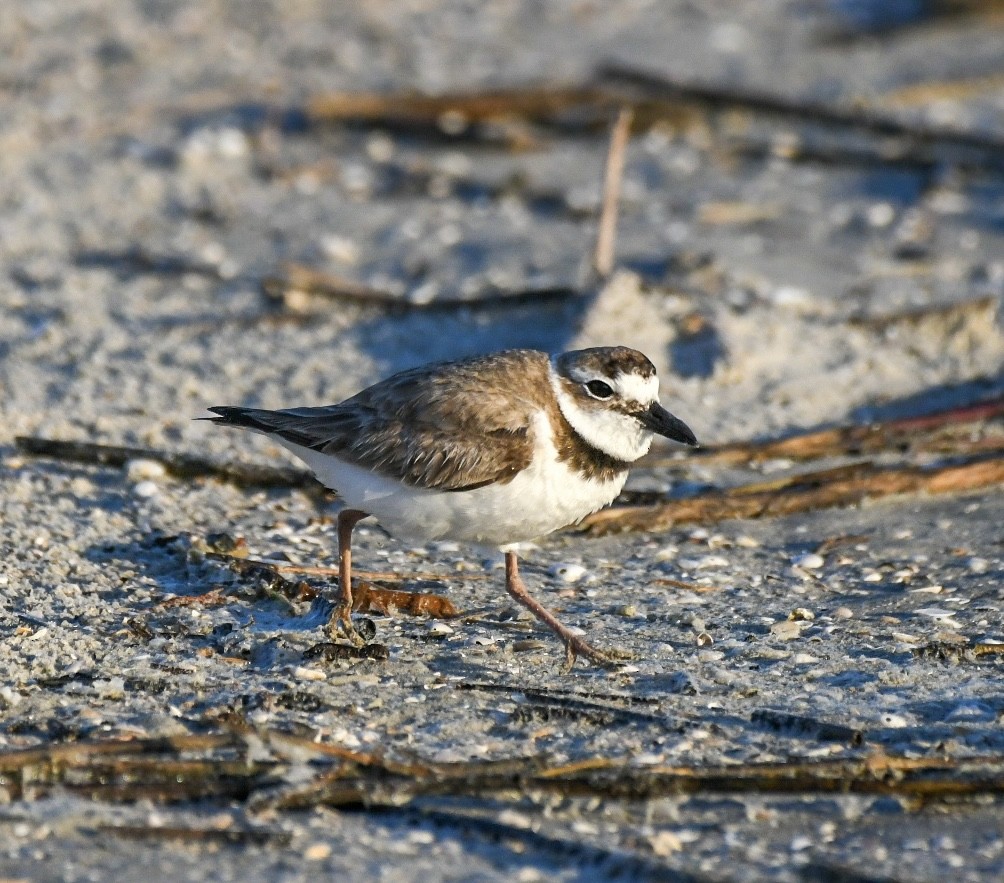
245	418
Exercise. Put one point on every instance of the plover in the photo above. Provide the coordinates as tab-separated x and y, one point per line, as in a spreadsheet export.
493	450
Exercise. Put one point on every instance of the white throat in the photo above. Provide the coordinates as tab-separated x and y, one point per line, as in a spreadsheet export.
616	434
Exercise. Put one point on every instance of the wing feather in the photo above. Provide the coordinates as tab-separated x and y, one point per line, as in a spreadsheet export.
452	427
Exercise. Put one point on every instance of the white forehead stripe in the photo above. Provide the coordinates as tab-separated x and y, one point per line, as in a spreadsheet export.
616	434
636	388
631	387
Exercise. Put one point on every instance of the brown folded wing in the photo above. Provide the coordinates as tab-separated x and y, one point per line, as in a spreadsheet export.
451	427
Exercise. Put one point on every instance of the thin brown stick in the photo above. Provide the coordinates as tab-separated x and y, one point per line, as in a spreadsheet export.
387	576
685	586
295	280
821	730
645	86
186	466
920	778
300	278
802	494
538	103
747	147
81	752
228	767
366	597
558	695
184	834
654	97
948	431
138	259
949	315
606	234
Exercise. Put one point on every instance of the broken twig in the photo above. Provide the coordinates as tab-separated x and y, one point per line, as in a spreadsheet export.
182	834
845	486
980	309
379	575
296	281
606	235
453	112
179	465
946	432
367	597
644	85
229	766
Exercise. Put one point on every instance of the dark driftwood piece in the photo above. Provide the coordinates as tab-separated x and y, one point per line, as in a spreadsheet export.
948	431
645	86
920	779
299	278
655	97
232	765
380	575
541	103
950	315
367	597
183	834
651	95
844	486
177	464
137	259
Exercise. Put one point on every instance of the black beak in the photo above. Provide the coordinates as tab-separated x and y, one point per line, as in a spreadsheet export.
661	422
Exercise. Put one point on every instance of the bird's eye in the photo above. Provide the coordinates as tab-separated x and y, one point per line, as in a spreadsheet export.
599	390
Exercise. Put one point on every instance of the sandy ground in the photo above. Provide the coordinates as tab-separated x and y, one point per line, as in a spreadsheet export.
157	166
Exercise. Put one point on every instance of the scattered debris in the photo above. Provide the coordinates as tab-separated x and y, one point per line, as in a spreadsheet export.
292	288
186	466
845	486
251	768
956	430
329	651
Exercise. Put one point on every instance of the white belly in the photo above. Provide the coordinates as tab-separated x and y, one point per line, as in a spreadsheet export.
543	497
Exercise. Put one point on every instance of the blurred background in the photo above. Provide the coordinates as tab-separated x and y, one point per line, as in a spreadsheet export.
279	202
270	202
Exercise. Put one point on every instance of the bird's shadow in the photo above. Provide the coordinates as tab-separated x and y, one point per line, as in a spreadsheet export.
400	342
244	615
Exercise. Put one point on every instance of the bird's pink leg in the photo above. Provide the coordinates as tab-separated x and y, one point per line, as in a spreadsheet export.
341	617
574	645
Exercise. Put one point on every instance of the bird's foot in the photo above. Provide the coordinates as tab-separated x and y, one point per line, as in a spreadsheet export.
576	647
340	625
